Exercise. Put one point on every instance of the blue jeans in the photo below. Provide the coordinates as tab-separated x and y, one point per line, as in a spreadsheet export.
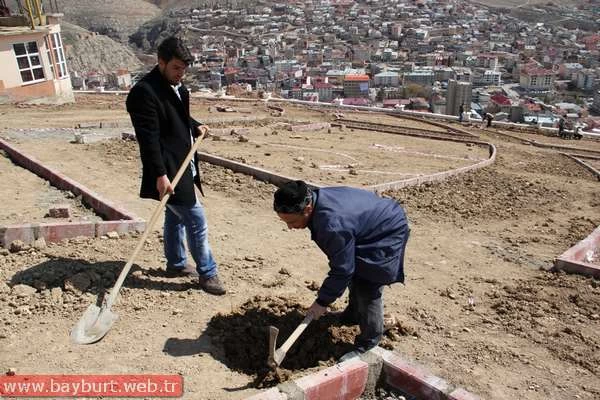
182	221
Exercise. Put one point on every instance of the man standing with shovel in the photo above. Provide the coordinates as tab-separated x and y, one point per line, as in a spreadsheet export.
159	107
364	237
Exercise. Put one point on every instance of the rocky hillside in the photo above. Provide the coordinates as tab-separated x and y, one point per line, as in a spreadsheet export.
149	35
115	18
87	51
168	23
167	4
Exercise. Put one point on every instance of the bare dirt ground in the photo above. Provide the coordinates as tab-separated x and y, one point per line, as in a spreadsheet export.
379	118
480	306
593	145
351	157
31	198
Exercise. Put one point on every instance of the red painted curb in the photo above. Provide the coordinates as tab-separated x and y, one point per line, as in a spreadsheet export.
9	234
55	232
412	378
348	380
575	260
63	182
118	219
103	227
345	381
416	380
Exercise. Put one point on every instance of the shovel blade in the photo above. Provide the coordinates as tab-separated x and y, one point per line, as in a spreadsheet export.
93	325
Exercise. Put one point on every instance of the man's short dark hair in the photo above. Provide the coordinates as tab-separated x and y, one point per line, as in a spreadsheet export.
173	47
292	197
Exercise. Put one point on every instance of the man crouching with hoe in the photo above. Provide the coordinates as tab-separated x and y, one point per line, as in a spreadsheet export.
364	237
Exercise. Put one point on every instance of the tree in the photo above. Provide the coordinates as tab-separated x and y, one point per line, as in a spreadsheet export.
416	90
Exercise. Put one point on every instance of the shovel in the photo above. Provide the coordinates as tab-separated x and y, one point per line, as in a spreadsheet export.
276	356
97	321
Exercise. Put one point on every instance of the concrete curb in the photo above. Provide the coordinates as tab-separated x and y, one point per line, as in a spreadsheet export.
117	219
259	173
440	176
278	179
348	380
420	133
544	145
574	259
435	123
578	160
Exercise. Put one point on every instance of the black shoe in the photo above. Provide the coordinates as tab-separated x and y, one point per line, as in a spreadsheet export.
189	270
212	285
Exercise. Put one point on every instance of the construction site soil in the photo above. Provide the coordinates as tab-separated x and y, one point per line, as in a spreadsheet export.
31	198
481	306
350	157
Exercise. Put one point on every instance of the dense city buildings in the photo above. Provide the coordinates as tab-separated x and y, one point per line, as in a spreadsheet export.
523	64
390	52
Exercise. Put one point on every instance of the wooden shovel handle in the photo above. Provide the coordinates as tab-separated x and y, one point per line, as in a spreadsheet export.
150	225
296	334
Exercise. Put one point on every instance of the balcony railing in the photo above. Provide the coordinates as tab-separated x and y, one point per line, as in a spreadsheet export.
27	12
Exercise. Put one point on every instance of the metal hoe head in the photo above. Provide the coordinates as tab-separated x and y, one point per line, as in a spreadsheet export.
276	356
93	325
273	361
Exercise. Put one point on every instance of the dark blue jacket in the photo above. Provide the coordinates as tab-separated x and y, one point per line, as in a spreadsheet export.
362	234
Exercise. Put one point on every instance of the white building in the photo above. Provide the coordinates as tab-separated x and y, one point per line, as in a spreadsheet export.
489	78
424	77
459	93
585	79
535	78
33	60
386	78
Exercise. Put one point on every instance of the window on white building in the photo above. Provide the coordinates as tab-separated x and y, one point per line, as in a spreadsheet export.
29	62
59	55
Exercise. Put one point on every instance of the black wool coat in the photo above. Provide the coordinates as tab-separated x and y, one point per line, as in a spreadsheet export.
162	126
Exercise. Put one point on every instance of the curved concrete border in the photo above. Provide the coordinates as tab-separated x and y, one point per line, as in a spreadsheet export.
258	173
578	160
574	259
351	378
117	219
423	119
278	179
544	145
388	128
440	176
